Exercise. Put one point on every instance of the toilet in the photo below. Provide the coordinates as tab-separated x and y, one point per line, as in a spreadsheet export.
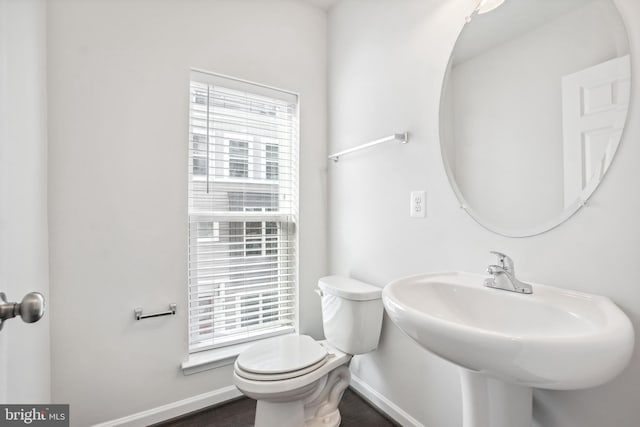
298	381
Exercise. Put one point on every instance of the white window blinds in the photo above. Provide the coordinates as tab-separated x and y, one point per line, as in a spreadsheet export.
243	201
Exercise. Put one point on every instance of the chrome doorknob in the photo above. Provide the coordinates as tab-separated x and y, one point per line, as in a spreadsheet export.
31	308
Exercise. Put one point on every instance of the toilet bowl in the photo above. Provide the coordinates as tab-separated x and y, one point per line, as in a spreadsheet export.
294	395
298	381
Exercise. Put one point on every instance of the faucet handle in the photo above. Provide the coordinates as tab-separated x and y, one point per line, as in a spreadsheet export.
505	261
494	269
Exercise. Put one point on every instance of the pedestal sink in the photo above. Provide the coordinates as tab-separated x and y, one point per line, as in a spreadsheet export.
505	343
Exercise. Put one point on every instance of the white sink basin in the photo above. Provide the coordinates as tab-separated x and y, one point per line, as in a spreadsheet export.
553	338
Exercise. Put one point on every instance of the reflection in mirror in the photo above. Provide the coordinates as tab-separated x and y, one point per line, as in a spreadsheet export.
532	111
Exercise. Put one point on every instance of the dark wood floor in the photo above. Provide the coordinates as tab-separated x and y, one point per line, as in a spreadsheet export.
354	410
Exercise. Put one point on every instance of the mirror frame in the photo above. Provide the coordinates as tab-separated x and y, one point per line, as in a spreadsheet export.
568	211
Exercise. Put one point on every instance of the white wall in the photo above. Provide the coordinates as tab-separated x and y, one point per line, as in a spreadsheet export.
24	267
387	61
118	102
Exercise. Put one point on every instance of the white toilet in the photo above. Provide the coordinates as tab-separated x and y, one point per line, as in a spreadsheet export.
298	381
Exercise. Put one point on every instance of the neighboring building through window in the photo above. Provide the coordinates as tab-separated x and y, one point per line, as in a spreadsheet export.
242	272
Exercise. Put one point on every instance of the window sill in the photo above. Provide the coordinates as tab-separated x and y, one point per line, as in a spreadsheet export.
215	358
211	359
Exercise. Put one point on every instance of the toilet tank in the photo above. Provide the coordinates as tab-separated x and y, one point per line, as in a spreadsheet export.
351	313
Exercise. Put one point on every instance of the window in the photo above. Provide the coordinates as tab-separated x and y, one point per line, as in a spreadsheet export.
239	159
271	161
254	238
242	206
199	150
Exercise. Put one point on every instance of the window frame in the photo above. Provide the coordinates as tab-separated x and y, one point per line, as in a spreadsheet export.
257	171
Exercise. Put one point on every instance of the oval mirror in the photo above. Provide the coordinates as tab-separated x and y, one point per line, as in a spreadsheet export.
532	111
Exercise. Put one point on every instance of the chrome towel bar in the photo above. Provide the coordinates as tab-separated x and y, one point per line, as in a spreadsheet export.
140	316
401	137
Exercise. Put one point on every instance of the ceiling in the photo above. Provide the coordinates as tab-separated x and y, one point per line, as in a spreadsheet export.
324	4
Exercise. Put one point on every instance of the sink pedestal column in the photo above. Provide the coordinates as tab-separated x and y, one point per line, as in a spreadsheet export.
487	402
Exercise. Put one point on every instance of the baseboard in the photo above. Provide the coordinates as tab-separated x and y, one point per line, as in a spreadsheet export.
383	404
175	409
216	397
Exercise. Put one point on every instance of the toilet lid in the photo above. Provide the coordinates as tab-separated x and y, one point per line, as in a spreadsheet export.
281	355
279	377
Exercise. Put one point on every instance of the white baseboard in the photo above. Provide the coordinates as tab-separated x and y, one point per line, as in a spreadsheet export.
175	409
383	404
216	397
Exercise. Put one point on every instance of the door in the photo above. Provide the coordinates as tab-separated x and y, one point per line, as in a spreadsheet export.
24	347
594	108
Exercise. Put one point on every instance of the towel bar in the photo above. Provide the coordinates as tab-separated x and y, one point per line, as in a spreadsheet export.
140	316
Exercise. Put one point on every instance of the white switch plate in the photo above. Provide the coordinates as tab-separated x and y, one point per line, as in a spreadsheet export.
418	204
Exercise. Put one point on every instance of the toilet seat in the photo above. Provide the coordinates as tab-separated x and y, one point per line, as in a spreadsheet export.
281	358
270	388
282	376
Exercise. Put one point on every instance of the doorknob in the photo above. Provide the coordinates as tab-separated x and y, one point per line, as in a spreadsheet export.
31	308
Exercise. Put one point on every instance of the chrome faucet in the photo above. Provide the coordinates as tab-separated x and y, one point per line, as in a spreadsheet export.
503	276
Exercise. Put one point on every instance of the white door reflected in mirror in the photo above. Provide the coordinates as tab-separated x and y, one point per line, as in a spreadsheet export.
594	108
533	109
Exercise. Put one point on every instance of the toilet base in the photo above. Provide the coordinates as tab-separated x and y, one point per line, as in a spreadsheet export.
318	408
285	414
